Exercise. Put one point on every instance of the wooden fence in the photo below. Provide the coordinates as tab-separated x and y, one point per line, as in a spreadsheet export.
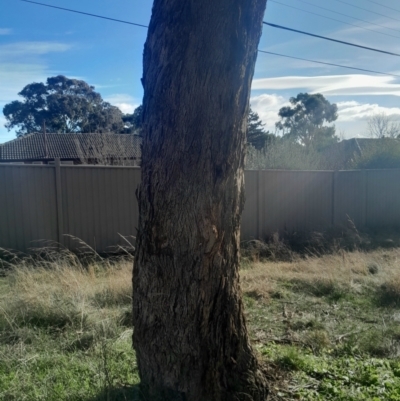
97	204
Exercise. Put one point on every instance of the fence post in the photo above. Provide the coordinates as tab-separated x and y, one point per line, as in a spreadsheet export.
60	223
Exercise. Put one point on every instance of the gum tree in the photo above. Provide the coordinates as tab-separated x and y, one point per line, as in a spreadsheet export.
190	333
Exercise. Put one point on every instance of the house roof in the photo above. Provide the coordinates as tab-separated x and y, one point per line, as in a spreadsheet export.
71	146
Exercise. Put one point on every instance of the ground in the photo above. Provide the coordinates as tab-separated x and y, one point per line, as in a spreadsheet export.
325	327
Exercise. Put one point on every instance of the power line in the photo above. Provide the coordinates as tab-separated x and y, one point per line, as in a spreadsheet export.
379	4
366	9
332	64
346	15
333	19
262	51
330	39
81	12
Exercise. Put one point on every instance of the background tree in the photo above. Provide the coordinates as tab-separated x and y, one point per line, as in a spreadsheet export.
256	135
133	122
304	121
380	126
65	105
190	334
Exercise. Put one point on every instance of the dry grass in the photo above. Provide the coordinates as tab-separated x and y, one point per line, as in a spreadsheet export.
343	270
58	294
303	315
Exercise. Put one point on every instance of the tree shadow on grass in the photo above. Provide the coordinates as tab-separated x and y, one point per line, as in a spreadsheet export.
123	393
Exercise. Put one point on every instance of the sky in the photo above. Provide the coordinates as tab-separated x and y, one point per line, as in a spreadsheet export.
38	42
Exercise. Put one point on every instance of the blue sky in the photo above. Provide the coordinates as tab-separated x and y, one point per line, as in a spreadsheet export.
38	42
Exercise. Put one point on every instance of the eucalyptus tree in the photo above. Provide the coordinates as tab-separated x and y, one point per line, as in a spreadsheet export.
190	333
63	105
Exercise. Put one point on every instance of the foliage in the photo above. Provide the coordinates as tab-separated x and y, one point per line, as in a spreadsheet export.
256	135
64	105
379	154
284	155
133	122
380	126
303	122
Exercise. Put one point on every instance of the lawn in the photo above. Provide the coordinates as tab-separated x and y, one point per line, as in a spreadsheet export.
326	328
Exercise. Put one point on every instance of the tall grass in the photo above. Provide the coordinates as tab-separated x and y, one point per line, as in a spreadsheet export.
65	326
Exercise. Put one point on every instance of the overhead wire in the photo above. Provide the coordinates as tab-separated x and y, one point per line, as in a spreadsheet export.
346	15
333	19
330	39
261	51
332	64
366	9
382	5
81	12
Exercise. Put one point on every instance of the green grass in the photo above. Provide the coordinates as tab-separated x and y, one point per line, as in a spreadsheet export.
326	328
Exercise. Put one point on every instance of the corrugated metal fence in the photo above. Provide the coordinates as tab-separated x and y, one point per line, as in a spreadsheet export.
97	204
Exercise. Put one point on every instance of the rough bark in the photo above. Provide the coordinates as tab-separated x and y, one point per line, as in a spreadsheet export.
190	334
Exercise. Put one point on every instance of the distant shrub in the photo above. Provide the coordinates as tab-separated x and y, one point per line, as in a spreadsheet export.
380	154
284	155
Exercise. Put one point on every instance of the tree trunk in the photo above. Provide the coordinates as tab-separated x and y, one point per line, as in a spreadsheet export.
190	334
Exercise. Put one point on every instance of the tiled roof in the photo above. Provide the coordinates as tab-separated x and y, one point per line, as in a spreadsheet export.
72	146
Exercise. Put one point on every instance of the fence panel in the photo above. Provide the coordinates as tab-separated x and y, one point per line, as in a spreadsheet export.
383	198
99	205
350	197
295	200
27	206
250	218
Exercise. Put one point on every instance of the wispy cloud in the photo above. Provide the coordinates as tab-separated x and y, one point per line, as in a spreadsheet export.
15	50
22	63
333	85
5	31
15	76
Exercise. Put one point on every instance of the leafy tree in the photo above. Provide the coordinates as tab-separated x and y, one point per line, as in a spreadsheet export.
190	333
380	126
304	121
64	105
256	135
133	122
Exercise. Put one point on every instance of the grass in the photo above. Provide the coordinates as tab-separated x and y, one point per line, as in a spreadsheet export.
329	325
65	332
325	327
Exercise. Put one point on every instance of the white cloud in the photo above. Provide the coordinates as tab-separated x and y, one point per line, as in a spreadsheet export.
126	103
5	31
353	111
333	85
267	107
